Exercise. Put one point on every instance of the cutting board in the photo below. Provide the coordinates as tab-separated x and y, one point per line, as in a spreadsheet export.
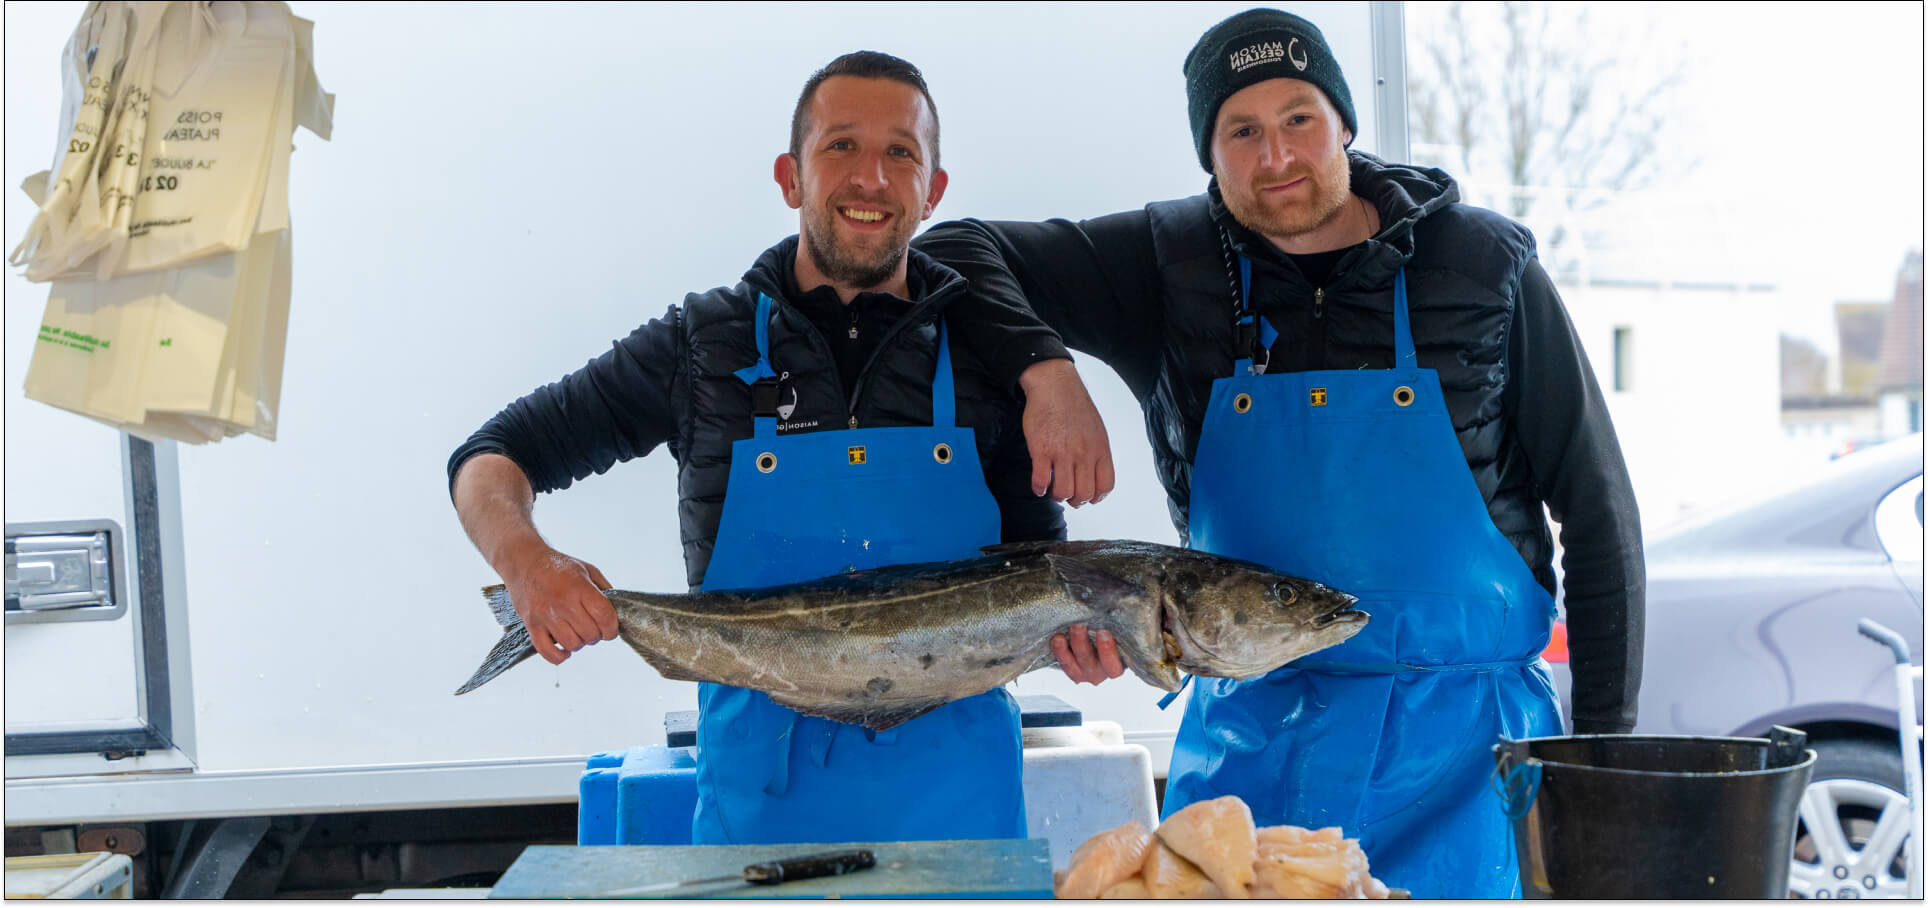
992	869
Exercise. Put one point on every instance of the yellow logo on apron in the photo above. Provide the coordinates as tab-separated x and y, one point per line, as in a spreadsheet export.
857	454
1318	397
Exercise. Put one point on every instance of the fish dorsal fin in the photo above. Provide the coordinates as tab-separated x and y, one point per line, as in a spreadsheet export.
1088	583
1049	546
1019	548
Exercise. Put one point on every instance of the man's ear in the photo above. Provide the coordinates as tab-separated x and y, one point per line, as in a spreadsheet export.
789	174
1347	141
939	180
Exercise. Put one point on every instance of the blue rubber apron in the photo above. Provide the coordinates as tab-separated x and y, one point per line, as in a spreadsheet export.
814	504
1356	479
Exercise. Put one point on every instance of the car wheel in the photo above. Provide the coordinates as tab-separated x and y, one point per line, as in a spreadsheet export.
1854	824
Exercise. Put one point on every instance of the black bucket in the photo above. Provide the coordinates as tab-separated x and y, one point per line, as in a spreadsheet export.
1654	816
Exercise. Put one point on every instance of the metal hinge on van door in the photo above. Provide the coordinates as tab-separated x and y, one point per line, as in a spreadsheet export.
67	570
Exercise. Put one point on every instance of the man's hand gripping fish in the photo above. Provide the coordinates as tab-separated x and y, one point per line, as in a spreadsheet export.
881	647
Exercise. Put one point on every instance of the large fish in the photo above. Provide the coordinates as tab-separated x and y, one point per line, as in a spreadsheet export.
881	647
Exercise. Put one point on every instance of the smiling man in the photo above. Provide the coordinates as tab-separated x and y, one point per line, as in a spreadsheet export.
849	404
1348	375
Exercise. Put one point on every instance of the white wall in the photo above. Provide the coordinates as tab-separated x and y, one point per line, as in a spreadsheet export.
1700	422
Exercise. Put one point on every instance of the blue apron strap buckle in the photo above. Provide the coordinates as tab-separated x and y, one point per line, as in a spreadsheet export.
1167	699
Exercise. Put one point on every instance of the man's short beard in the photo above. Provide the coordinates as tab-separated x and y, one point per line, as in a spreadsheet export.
839	265
845	270
1334	185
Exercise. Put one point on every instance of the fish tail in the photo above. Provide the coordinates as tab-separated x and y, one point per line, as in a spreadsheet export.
509	651
498	597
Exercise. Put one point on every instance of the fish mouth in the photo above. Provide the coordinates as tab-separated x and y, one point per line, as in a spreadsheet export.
1169	630
1342	612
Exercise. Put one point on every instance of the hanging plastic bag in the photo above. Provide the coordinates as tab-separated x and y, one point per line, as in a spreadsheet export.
257	343
190	349
190	353
208	150
87	355
90	63
302	104
97	220
167	32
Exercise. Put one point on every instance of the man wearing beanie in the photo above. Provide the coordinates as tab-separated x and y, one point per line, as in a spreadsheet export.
1350	376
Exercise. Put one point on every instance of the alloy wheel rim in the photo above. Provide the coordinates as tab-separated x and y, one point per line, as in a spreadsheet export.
1851	841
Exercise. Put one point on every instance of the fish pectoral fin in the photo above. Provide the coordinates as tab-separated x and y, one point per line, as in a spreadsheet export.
876	716
1162	675
1089	583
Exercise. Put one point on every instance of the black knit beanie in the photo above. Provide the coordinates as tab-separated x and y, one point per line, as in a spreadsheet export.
1251	47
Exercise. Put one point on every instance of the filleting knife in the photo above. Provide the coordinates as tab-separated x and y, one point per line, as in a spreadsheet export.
767	873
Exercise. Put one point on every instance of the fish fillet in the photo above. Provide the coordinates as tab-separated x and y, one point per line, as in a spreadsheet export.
1105	860
1133	888
1219	837
1300	863
1293	835
1168	876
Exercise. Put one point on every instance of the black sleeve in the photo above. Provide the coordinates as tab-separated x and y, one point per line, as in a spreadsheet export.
1008	337
1561	421
619	406
1024	517
1094	282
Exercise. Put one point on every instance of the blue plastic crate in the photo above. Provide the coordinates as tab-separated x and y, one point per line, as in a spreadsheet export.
647	795
641	796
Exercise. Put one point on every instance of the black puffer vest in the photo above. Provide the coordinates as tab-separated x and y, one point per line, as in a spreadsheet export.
1463	268
894	390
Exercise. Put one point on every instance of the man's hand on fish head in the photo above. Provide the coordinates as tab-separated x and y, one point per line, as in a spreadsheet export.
1070	452
1084	659
561	602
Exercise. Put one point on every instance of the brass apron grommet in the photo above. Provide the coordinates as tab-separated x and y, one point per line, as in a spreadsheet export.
1402	396
766	462
1242	403
942	453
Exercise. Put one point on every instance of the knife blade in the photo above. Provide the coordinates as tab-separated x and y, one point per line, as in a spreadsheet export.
769	873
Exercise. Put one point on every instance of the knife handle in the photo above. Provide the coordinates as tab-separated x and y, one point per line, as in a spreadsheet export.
830	863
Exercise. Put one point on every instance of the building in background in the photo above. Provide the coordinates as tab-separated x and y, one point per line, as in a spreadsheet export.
1669	306
1834	412
1897	382
1857	360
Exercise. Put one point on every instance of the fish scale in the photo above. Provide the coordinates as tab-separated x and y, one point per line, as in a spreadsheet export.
880	647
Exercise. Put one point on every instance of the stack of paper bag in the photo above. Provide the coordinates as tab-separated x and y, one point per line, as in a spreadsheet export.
163	227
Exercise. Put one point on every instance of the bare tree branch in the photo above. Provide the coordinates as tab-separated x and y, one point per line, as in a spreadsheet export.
1537	94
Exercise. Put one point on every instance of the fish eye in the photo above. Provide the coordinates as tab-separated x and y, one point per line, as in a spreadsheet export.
1286	592
1186	584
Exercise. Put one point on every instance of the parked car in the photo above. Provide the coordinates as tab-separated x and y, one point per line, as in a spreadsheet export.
1751	623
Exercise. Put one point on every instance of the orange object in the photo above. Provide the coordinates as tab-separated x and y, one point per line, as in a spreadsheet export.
1556	646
